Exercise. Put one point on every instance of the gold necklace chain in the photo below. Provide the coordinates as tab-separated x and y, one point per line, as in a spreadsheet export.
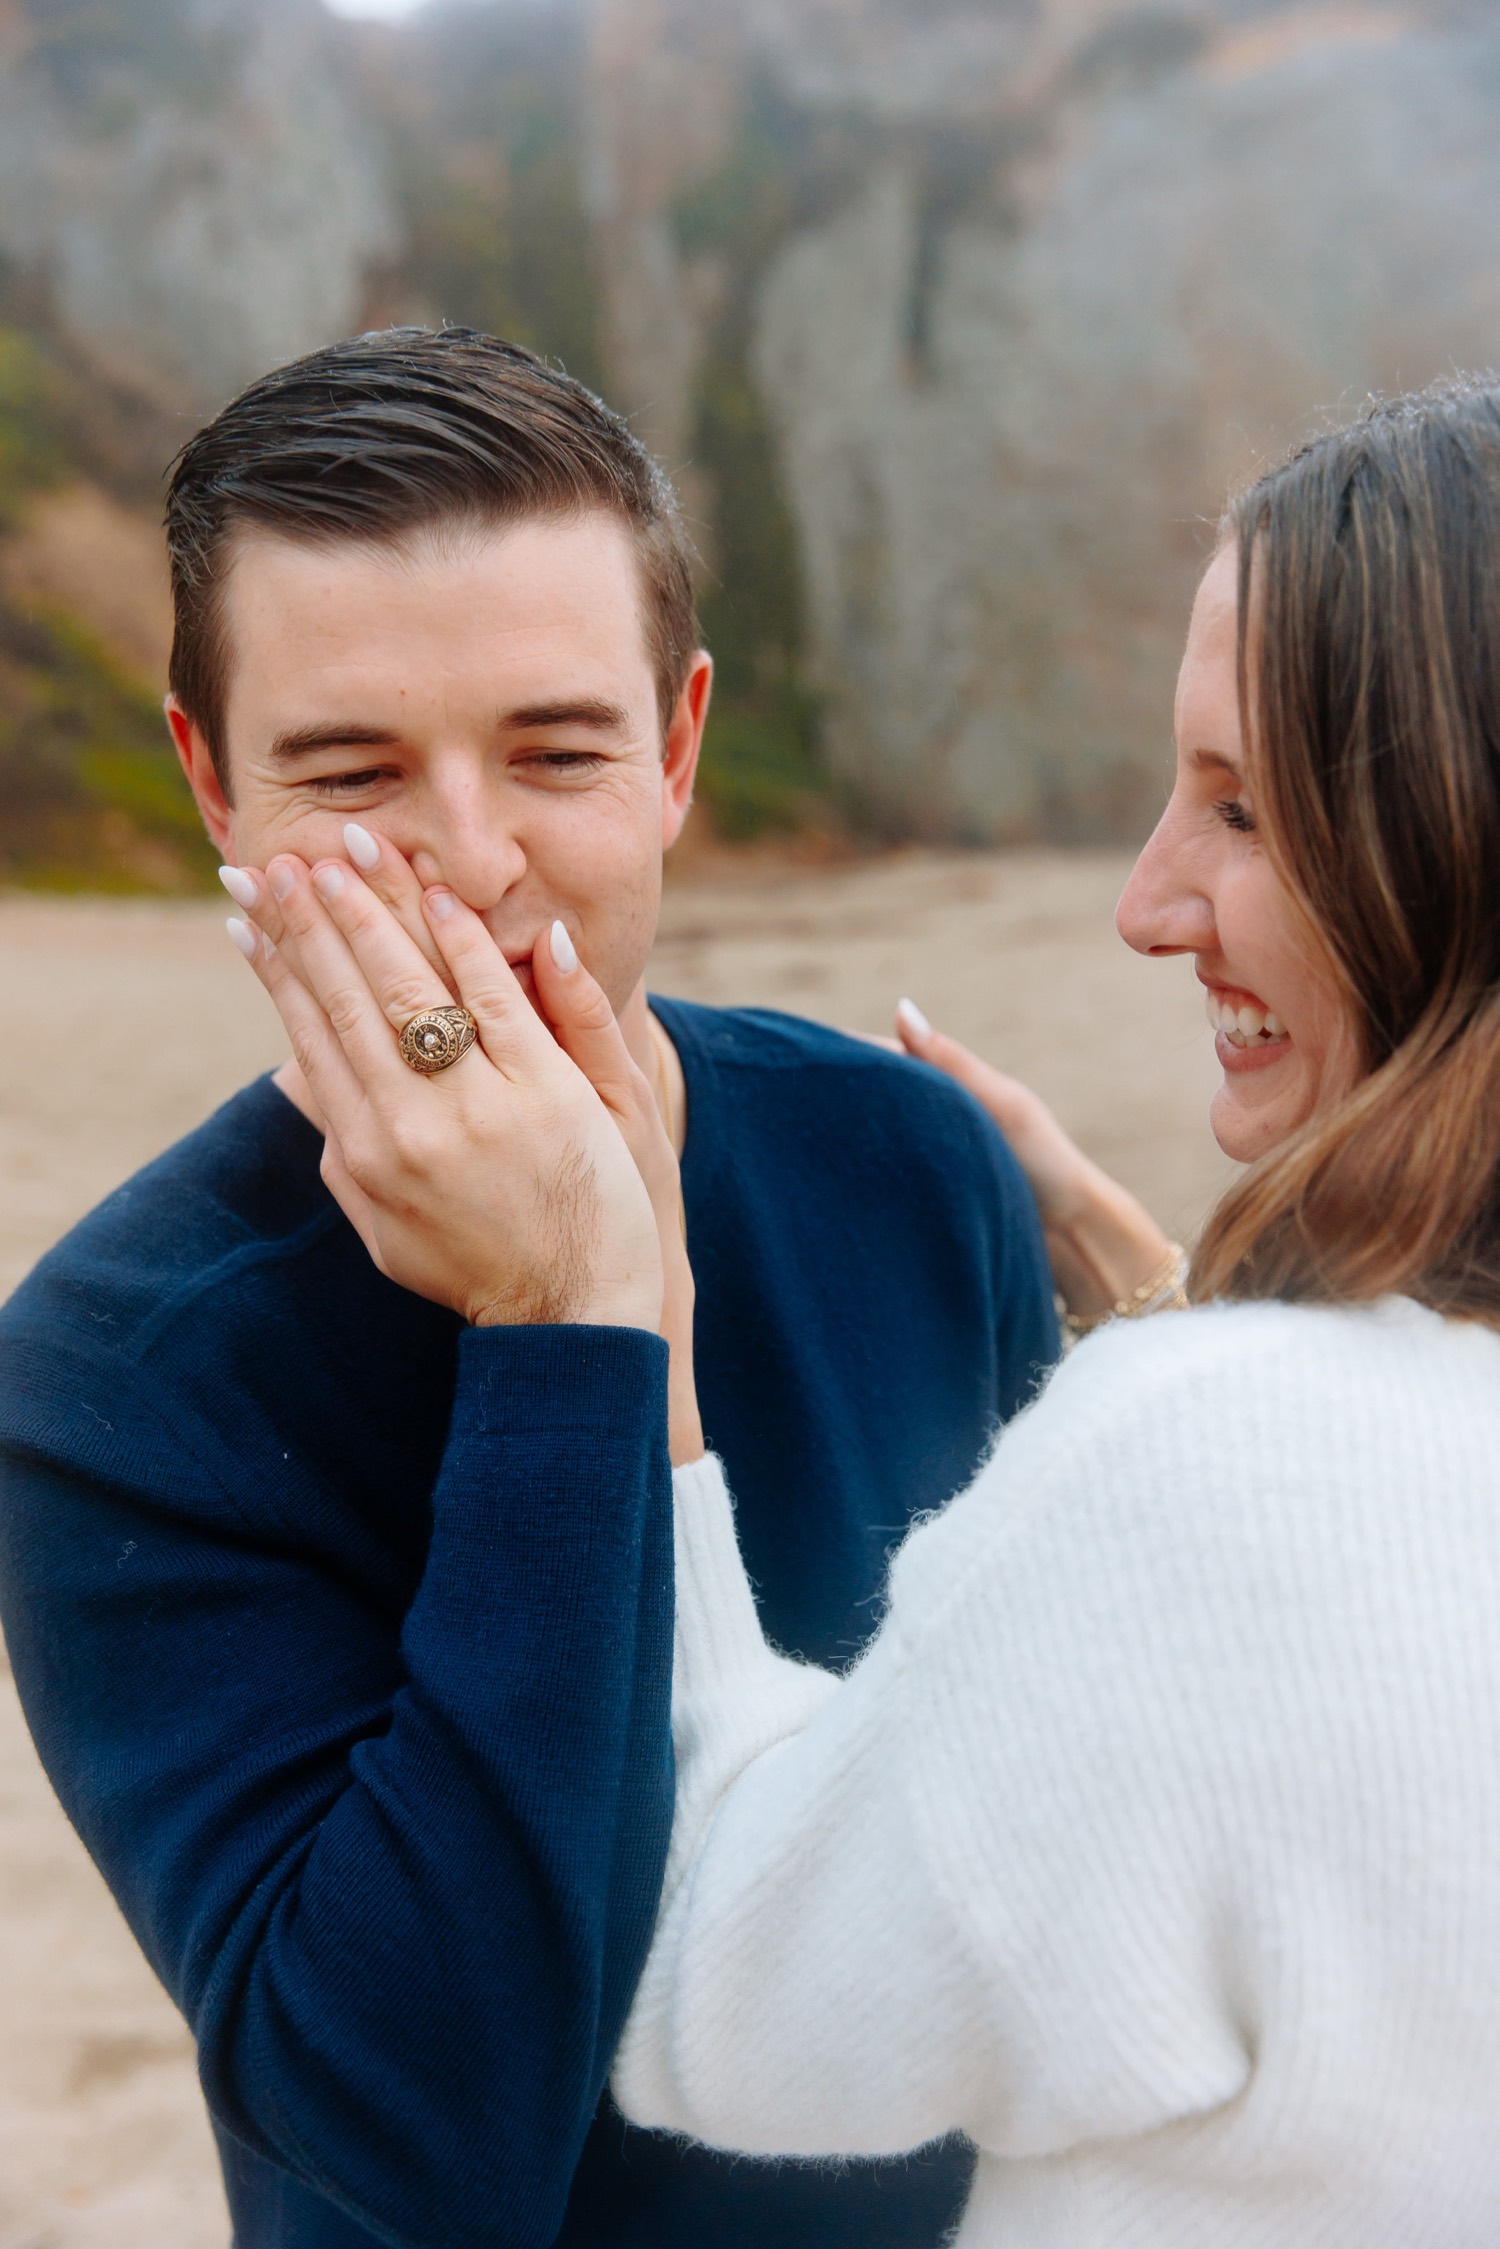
670	1093
672	1100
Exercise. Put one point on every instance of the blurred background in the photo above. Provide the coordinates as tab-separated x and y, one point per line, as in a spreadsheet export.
954	320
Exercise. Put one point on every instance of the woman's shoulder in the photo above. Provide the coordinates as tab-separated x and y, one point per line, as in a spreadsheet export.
1230	1426
1139	1365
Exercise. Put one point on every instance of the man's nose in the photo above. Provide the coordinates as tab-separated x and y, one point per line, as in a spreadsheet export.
1164	907
469	846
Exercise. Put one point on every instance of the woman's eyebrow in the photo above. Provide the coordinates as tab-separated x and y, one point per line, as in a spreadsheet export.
304	741
1202	761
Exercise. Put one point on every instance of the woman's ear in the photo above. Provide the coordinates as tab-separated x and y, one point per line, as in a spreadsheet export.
196	760
682	746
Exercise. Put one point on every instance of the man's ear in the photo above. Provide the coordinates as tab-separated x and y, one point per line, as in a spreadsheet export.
197	763
683	744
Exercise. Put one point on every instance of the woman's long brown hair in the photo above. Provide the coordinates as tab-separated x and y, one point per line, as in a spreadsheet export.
1369	573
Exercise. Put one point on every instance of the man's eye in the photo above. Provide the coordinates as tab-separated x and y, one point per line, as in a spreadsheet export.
565	761
350	784
1236	815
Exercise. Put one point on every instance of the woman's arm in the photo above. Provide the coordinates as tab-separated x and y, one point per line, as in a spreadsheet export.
1102	1242
967	1886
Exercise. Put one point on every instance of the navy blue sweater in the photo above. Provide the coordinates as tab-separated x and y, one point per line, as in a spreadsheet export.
344	1634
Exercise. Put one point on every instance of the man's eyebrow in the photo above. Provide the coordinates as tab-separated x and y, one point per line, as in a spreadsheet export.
303	741
592	713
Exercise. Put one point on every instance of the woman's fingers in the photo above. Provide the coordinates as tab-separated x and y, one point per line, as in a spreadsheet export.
1101	1240
316	1047
519	1200
918	1037
401	977
585	1027
390	877
264	894
487	985
248	887
1055	1167
360	966
1024	1118
584	1022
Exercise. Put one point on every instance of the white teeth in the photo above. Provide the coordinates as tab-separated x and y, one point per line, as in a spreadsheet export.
1243	1023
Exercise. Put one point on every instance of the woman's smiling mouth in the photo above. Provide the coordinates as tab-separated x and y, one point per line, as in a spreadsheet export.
1248	1036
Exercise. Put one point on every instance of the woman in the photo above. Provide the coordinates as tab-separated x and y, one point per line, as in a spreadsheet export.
1153	1841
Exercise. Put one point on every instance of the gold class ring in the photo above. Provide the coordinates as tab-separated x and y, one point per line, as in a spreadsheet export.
435	1039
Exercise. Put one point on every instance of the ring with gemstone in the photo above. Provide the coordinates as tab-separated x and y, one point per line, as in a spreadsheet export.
435	1039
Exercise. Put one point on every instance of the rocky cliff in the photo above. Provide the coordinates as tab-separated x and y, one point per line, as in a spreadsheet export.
955	320
1043	281
188	182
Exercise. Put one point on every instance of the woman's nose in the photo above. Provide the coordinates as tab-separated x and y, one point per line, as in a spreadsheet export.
1164	907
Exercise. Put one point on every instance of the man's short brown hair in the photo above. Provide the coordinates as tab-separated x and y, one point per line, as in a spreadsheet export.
391	433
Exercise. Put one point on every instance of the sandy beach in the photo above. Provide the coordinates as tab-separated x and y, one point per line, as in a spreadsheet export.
129	1022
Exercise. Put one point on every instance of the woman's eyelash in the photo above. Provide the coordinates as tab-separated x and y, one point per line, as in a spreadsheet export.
1235	815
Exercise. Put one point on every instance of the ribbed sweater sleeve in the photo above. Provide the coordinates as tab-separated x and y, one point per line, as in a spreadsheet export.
805	1992
1101	1798
399	1876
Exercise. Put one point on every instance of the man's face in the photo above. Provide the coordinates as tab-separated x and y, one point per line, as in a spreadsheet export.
485	700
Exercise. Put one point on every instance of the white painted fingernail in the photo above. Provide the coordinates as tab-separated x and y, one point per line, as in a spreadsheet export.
361	846
328	882
564	953
914	1020
240	886
267	947
241	935
281	880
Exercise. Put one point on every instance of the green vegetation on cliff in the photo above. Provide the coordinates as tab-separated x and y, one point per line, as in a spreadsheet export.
489	155
485	153
90	793
760	763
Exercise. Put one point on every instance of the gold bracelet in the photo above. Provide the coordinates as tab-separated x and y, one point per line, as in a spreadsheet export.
1164	1291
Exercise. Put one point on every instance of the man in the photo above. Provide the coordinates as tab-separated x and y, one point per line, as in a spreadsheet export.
293	1563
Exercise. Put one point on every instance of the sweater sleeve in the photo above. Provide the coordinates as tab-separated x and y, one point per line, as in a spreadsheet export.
976	1883
399	1874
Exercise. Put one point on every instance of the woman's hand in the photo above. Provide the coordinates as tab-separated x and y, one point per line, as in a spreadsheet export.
502	1186
1102	1243
584	1024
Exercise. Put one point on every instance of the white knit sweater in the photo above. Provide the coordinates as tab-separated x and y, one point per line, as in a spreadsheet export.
1155	1841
